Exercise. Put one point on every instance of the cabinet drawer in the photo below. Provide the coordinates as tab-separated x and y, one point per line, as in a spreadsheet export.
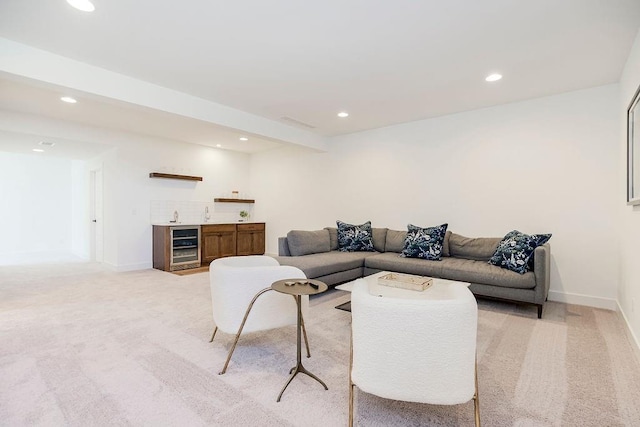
251	227
217	228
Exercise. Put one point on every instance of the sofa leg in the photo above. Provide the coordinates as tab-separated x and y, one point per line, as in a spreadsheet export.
540	311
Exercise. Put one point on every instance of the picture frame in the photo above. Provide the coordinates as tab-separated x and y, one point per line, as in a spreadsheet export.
633	150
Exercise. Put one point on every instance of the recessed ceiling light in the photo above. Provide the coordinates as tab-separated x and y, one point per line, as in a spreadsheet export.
343	114
68	100
493	77
218	145
83	5
38	150
244	138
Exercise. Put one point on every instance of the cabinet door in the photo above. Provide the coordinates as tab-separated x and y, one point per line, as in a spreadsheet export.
258	243
251	239
218	241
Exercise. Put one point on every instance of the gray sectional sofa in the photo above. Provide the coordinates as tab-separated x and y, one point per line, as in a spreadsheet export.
464	259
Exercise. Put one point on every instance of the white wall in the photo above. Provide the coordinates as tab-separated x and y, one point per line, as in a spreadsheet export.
543	166
36	194
51	199
629	216
127	182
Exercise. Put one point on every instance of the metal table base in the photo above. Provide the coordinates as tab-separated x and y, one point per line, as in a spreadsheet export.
299	368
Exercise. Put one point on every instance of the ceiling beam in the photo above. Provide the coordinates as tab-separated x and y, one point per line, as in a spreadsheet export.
25	61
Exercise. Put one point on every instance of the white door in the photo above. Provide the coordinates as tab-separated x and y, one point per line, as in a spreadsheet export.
97	226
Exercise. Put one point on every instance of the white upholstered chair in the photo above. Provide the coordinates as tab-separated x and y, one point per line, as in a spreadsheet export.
243	301
415	350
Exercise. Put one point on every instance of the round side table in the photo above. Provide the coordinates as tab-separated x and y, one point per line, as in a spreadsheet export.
297	288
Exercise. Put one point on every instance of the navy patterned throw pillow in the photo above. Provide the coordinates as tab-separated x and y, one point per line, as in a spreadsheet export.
516	250
354	238
424	243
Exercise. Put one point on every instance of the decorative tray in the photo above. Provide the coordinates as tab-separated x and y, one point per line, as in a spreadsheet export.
405	281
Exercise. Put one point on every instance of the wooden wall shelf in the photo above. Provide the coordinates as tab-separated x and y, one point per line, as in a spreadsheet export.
224	200
172	176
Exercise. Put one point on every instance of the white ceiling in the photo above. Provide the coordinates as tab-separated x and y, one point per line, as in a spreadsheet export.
38	99
385	62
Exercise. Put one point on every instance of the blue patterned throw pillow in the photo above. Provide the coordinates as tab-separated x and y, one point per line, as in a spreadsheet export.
516	250
354	238
424	243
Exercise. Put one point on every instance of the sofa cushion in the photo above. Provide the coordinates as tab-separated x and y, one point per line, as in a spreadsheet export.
478	249
424	242
515	250
393	261
379	236
322	264
463	270
333	238
467	270
395	241
354	238
308	242
445	244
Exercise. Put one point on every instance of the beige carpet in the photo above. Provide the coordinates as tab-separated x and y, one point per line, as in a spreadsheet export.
80	346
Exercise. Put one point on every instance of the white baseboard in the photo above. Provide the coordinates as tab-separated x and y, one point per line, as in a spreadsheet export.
133	267
109	266
128	267
598	302
632	336
588	300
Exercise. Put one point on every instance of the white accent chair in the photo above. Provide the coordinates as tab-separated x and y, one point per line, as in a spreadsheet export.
242	299
415	350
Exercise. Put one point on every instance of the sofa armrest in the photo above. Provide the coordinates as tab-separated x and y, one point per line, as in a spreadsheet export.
283	247
542	271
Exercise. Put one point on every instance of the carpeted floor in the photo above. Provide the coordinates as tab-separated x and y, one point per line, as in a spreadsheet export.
80	346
